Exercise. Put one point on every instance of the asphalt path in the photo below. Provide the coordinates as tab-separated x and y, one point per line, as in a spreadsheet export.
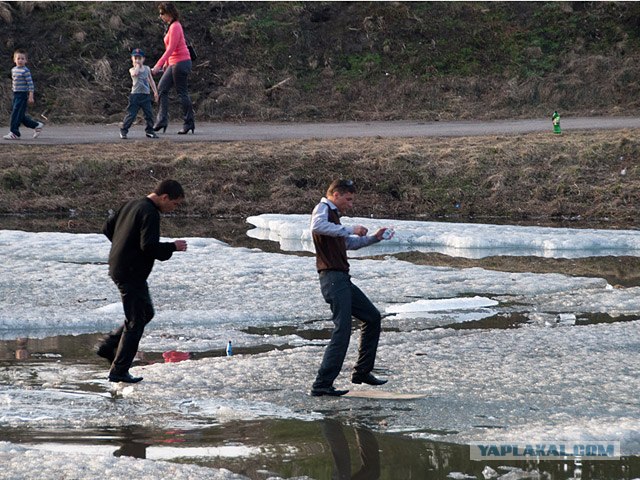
54	134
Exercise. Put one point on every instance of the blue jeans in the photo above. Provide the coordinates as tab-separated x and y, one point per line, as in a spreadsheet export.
19	113
347	300
138	101
176	75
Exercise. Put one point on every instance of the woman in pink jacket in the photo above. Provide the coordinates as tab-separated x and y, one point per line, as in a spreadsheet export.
176	63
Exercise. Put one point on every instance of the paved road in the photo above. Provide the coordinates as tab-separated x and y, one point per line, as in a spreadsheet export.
224	132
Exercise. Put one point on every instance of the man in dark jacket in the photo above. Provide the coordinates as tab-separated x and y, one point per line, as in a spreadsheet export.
134	232
332	240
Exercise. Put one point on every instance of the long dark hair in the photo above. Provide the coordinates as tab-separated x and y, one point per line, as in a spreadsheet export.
170	8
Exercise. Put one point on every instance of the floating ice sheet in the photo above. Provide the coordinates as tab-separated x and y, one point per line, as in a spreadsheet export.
443	305
470	240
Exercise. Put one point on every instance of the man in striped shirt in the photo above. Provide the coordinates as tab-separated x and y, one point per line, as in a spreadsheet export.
22	95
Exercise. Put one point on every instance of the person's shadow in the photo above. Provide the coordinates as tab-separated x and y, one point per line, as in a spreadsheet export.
367	447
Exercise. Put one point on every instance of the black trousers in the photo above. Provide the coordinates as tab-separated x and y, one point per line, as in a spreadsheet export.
175	76
138	311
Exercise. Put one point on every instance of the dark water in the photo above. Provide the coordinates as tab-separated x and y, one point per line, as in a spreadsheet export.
324	449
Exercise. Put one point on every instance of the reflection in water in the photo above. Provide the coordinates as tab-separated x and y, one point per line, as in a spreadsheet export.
70	347
174	356
132	444
21	349
319	450
367	448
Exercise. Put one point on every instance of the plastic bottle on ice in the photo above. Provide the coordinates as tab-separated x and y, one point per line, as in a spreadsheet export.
229	349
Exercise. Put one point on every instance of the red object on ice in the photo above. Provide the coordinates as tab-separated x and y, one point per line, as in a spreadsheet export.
173	356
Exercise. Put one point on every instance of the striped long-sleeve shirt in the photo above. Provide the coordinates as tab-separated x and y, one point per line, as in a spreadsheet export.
22	81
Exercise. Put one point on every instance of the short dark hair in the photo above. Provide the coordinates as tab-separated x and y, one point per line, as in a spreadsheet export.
19	51
170	8
341	186
171	188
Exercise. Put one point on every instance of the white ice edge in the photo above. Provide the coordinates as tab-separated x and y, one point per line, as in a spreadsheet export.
469	240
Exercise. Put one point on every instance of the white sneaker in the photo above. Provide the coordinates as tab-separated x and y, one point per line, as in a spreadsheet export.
11	136
38	129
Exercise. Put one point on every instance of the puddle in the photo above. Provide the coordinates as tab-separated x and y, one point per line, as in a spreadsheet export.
286	330
499	321
317	449
74	348
594	318
80	348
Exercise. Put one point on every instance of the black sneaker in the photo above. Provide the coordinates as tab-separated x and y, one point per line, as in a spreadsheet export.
125	378
328	391
367	378
151	135
123	135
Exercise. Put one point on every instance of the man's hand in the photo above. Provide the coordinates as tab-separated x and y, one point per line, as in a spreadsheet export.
385	233
181	245
360	231
380	233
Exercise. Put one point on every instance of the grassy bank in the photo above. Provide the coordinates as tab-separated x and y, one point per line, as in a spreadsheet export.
592	176
337	60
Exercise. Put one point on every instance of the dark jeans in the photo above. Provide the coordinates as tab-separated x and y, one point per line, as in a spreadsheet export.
19	113
138	101
176	75
138	311
347	300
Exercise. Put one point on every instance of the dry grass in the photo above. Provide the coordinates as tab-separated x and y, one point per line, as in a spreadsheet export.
5	12
536	176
